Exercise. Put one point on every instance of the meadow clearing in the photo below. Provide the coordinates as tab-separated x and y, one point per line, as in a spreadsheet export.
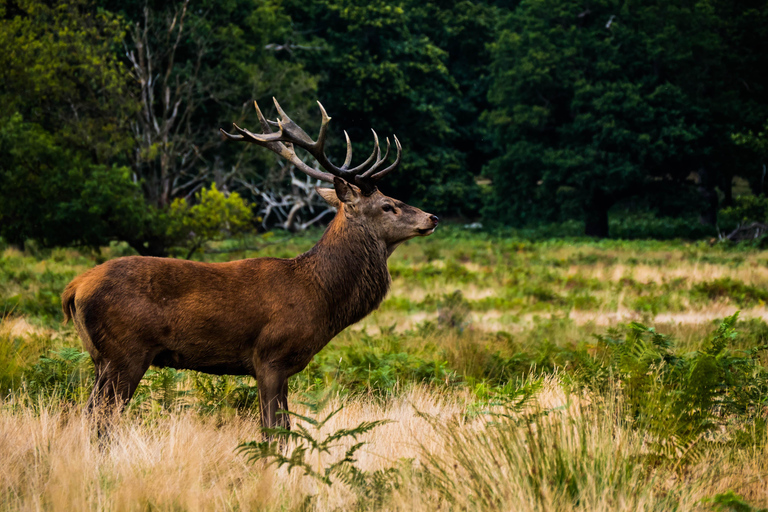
499	374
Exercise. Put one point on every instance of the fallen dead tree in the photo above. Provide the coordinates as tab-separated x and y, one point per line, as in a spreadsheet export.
743	232
293	208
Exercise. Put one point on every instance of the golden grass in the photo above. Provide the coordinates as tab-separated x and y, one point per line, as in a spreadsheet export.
51	460
693	272
498	320
20	326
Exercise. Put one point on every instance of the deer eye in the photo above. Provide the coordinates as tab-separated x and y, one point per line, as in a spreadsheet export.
388	208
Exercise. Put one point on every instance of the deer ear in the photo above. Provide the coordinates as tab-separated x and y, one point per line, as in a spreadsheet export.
345	191
329	195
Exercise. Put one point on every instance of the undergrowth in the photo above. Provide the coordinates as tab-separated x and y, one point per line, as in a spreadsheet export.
485	320
682	401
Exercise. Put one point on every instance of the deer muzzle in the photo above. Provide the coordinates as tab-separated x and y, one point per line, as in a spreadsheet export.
433	220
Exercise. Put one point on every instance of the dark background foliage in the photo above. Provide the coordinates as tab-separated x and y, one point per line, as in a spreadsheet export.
517	115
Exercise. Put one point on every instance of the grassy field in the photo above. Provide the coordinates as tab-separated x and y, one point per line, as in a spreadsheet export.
499	374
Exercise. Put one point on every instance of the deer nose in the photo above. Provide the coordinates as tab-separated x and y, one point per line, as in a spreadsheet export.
434	219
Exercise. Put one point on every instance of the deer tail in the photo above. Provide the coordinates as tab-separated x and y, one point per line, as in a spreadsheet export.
68	300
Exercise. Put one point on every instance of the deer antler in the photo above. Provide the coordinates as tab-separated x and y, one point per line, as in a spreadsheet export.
290	134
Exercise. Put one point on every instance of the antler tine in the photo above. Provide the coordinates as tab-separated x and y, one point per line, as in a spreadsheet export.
274	142
379	162
262	120
363	166
394	165
294	134
320	144
231	136
258	138
291	132
348	158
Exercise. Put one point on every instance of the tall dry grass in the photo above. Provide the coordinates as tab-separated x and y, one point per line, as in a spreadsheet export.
50	458
563	451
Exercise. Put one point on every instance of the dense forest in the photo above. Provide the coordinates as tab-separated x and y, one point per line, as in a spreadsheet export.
513	113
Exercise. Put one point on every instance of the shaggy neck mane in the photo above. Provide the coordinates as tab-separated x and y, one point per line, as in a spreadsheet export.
350	266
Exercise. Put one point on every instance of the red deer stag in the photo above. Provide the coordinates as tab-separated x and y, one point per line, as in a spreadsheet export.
265	317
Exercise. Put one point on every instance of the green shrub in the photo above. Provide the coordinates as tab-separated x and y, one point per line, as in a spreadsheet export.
162	389
16	354
746	209
215	216
729	501
583	301
379	373
64	375
741	294
677	398
655	303
214	392
647	226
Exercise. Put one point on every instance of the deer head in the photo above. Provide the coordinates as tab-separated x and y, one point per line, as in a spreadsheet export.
355	194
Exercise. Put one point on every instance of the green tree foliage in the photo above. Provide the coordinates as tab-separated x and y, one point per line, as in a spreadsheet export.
757	142
60	69
120	107
577	107
415	69
747	209
595	104
64	118
196	67
57	195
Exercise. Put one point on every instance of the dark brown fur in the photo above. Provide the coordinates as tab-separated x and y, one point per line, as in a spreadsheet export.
265	317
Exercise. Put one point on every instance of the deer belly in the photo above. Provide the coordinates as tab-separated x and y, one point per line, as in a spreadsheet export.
208	363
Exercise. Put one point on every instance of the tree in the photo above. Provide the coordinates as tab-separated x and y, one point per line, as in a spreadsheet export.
293	208
59	69
594	105
742	105
139	85
410	68
63	109
758	143
57	196
196	69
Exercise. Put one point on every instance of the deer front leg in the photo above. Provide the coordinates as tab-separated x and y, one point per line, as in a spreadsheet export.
284	420
273	397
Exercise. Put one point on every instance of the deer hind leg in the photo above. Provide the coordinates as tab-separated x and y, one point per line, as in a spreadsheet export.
96	397
116	381
273	397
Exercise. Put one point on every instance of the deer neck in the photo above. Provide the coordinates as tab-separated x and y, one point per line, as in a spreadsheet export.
349	265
